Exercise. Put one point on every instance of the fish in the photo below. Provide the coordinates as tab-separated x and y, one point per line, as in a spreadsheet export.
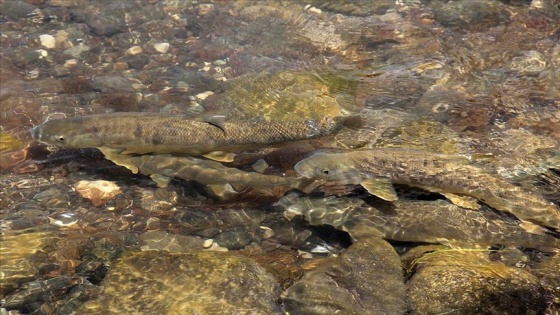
209	136
439	222
451	175
162	167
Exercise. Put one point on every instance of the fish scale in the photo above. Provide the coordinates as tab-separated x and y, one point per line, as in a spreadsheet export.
434	172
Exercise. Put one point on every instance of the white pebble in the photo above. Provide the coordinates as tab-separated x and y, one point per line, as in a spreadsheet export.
208	243
43	53
161	47
48	41
70	63
134	50
204	95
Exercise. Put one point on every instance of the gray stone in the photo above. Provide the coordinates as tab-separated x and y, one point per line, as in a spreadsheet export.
366	279
235	238
111	84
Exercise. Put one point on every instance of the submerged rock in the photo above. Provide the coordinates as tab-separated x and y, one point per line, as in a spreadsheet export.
366	279
197	283
477	285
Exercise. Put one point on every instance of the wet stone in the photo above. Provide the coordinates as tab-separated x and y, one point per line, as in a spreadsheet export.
365	279
35	293
472	15
195	283
478	285
21	260
16	9
235	238
138	61
175	243
111	84
60	71
105	24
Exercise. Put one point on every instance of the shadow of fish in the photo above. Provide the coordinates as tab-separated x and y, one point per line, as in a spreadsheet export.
377	169
415	221
212	136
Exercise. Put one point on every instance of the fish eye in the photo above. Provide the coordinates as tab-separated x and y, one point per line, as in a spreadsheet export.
325	172
60	138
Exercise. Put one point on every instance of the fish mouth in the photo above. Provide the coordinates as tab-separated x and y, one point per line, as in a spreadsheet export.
35	132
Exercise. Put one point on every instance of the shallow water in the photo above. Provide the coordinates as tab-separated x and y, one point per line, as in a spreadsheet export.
476	78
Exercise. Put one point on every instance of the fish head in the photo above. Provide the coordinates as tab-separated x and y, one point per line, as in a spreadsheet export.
329	167
67	133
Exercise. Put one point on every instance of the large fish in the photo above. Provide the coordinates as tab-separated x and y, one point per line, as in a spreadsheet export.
162	167
453	176
415	221
141	133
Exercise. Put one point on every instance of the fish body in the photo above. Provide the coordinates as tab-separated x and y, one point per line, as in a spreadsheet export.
452	176
141	133
162	167
415	221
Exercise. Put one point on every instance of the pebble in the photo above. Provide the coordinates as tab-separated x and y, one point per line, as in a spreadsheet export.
138	61
235	238
208	243
60	71
76	51
204	95
48	41
98	191
134	50
161	47
70	63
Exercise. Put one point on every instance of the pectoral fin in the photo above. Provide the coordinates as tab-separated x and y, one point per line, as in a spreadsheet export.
380	188
462	201
220	156
116	157
161	180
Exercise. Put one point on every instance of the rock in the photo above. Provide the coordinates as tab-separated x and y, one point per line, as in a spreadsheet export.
138	61
39	292
235	238
16	9
161	47
76	51
105	24
60	71
98	191
194	283
365	279
48	41
111	84
477	285
471	15
175	243
22	258
134	50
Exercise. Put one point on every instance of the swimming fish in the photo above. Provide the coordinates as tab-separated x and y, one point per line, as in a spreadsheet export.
213	136
453	176
415	221
162	167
